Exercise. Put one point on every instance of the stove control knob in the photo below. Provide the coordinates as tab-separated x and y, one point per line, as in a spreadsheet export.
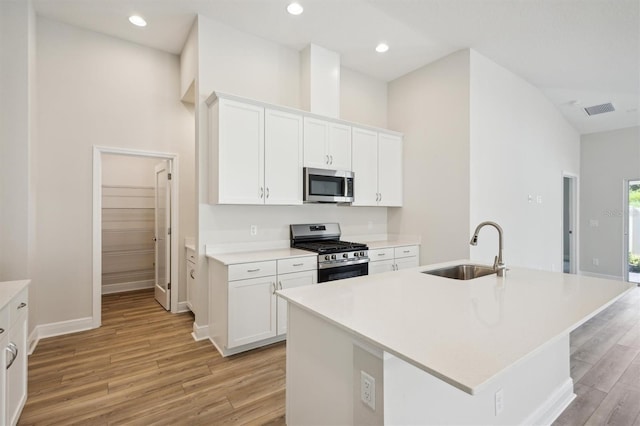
346	256
333	256
362	253
326	257
355	254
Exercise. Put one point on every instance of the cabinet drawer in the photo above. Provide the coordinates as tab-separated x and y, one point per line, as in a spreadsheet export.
191	255
406	251
295	264
243	271
4	323
18	306
380	254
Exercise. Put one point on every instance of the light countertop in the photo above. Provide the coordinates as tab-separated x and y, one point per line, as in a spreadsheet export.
464	332
390	243
9	289
259	256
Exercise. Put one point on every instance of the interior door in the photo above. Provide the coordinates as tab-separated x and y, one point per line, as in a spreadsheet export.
163	235
632	231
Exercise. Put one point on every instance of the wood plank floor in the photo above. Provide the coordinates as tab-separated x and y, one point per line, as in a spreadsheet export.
143	367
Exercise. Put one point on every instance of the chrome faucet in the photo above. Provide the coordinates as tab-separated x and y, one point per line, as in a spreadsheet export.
498	264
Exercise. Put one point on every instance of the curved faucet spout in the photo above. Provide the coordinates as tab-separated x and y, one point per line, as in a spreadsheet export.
498	264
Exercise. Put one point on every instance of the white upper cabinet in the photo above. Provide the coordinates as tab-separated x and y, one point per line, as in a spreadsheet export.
283	157
377	164
255	154
327	145
365	167
389	170
237	153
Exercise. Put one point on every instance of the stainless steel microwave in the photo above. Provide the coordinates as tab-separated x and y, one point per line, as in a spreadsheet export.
327	186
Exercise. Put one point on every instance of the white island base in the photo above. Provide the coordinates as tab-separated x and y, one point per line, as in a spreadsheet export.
324	364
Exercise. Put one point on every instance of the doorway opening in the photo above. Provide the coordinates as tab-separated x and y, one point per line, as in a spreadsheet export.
135	212
632	231
569	220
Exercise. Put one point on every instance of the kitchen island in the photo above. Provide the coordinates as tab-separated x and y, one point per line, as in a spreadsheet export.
434	350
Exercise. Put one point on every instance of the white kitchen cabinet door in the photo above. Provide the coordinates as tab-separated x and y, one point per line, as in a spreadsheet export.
364	144
339	147
240	153
316	134
381	266
292	280
389	170
283	158
252	310
407	262
16	374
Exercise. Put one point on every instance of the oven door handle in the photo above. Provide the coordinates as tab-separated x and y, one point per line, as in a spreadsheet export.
341	264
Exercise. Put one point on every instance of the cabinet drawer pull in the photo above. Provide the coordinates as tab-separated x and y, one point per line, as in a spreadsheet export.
192	274
253	270
1	330
297	264
22	305
382	254
13	350
405	251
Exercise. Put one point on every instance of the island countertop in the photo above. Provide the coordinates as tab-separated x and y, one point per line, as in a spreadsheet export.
463	332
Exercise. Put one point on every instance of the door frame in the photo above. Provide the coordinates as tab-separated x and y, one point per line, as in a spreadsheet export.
574	253
98	151
625	227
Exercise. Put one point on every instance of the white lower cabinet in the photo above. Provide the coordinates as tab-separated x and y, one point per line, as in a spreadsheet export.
191	277
393	259
245	311
13	341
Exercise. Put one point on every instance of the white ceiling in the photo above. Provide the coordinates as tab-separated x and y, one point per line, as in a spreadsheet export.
578	52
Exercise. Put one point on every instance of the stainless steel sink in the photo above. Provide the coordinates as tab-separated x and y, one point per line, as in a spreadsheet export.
462	272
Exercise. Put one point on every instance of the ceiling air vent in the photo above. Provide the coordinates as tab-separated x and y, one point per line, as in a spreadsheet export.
599	109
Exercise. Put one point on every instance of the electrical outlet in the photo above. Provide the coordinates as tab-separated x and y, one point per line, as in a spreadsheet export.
593	223
596	261
254	230
539	199
368	390
499	401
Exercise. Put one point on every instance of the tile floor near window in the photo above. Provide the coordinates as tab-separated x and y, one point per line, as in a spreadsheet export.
143	367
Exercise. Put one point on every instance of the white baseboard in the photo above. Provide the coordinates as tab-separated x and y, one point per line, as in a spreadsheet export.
554	405
122	287
57	329
200	332
183	307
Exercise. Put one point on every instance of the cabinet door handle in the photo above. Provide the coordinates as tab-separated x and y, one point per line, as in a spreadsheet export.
297	264
22	305
192	274
275	287
331	159
261	192
253	270
326	161
380	197
13	350
280	284
1	330
267	193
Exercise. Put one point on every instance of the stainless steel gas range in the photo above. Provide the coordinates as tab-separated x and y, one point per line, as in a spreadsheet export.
336	259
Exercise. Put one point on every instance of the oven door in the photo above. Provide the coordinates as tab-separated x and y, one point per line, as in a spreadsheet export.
342	272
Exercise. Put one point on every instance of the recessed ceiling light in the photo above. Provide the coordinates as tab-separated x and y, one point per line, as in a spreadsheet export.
382	47
295	8
137	21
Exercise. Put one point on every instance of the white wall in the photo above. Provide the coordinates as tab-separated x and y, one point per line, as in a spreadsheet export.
431	106
17	106
95	90
235	62
520	145
363	99
607	159
123	170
